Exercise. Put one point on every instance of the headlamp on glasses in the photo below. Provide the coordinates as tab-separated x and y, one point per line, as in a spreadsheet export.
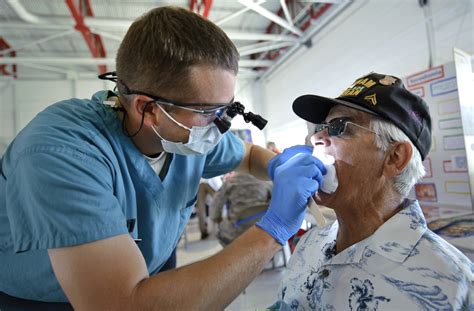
223	121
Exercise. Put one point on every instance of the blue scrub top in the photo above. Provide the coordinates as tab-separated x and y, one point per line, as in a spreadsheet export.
71	176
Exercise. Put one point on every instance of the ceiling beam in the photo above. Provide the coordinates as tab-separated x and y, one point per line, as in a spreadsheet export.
271	16
233	35
40	41
326	18
255	63
251	36
284	7
107	35
235	14
58	61
23	13
28	26
263	47
46	68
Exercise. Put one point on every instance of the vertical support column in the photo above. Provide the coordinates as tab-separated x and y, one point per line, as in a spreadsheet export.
465	78
207	8
93	41
3	68
200	5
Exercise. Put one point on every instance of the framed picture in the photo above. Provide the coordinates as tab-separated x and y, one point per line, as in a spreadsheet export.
426	192
428	168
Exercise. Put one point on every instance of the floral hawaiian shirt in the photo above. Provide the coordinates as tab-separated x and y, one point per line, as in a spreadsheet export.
402	266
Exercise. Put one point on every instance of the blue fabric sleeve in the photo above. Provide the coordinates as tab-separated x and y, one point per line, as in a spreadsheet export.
225	157
58	196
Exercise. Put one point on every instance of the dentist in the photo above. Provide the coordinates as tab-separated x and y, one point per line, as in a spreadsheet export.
94	194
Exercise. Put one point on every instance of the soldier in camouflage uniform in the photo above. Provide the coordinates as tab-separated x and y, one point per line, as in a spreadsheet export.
246	198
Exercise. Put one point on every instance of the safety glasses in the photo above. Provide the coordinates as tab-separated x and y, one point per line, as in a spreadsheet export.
200	108
337	127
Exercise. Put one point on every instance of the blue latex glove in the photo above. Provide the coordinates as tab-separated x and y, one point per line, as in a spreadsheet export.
295	181
287	154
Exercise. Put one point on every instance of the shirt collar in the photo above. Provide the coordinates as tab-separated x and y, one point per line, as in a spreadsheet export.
395	239
399	235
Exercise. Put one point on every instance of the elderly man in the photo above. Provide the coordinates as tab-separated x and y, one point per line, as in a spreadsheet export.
379	254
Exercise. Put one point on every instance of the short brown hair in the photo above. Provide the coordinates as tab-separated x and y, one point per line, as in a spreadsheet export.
161	46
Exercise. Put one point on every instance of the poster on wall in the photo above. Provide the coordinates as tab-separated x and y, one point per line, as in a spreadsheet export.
446	182
426	192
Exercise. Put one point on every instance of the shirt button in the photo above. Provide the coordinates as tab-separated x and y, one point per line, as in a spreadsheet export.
325	273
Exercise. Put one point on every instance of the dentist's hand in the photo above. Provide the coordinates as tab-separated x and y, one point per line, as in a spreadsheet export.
287	154
295	181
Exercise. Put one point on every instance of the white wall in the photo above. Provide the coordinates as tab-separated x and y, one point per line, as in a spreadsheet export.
248	93
382	36
21	100
7	124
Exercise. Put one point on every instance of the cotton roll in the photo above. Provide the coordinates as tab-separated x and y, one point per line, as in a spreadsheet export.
330	181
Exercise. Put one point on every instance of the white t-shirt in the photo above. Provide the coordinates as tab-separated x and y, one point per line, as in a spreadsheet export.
157	163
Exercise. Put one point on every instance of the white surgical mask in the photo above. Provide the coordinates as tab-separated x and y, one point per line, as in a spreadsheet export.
202	139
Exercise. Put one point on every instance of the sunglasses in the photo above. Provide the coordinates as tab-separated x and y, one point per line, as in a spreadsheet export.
337	127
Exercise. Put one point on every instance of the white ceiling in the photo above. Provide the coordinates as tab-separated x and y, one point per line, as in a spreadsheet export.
43	37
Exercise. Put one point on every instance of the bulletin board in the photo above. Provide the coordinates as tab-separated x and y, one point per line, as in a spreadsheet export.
446	182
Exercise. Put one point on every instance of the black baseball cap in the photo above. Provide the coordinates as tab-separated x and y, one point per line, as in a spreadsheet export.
381	95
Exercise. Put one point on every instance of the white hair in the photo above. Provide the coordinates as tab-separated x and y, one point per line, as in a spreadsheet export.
311	127
388	133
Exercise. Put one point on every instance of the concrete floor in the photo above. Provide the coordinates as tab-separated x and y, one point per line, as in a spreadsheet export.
261	293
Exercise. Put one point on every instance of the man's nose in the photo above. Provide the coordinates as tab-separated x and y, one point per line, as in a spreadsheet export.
321	138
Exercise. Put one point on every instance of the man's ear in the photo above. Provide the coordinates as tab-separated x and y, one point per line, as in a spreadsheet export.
397	158
144	108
